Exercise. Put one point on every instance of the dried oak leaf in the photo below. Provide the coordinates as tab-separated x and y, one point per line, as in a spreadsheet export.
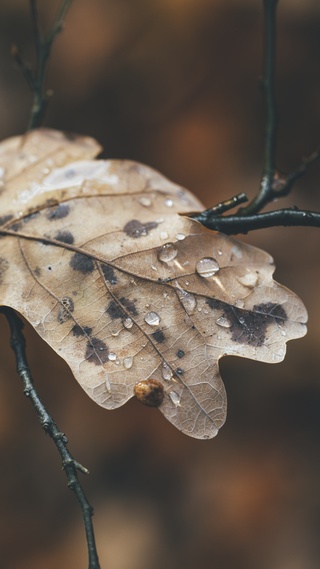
137	299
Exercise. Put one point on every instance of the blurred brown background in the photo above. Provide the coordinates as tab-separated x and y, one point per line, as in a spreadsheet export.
174	84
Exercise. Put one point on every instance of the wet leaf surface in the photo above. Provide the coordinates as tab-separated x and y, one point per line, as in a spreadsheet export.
137	299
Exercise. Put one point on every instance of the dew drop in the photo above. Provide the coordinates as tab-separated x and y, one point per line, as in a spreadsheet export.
224	322
164	235
249	280
168	202
146	202
188	301
167	253
128	323
167	372
112	356
2	172
239	303
175	398
127	362
207	267
219	252
152	318
180	236
241	320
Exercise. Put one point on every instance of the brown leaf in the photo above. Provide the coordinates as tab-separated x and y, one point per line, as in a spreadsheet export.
136	299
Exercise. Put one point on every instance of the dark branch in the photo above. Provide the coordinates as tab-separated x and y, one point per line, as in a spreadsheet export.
70	465
43	50
265	194
233	224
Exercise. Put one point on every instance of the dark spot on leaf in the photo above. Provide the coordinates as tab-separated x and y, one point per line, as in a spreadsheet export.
81	331
65	237
149	392
159	336
129	305
16	226
58	212
115	309
109	274
96	351
137	229
82	263
37	271
5	218
180	353
31	216
49	268
65	310
180	371
250	326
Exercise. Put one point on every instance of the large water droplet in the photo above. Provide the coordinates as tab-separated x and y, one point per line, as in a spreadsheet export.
167	372
175	398
128	323
250	279
152	318
224	322
207	267
127	362
167	253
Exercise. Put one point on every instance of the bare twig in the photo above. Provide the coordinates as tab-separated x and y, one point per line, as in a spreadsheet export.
36	82
264	195
36	78
70	465
234	224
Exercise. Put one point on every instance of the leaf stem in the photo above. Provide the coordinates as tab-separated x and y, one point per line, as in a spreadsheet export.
70	465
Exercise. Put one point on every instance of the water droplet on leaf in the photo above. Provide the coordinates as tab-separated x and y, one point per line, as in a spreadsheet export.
167	372
167	253
152	318
127	362
207	267
224	322
175	397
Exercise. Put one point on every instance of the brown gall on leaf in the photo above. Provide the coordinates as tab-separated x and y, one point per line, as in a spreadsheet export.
149	392
144	292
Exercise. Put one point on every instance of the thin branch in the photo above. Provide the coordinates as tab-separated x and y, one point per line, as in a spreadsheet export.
70	465
234	224
43	50
265	194
36	82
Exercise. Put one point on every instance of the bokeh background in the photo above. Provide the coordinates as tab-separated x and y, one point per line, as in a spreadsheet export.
174	84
